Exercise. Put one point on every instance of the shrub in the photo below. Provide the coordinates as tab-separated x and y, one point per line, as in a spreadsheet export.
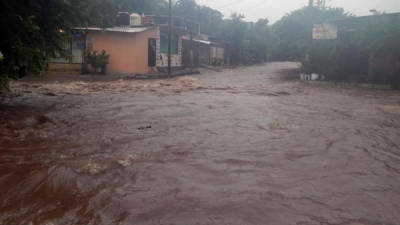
98	61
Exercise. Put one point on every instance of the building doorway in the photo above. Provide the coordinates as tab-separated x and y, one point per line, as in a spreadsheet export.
152	52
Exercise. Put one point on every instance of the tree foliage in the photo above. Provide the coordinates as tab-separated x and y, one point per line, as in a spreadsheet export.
31	33
103	12
346	58
292	33
33	30
248	40
210	20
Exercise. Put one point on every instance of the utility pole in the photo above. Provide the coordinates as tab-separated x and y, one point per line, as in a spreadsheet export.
310	3
169	36
191	47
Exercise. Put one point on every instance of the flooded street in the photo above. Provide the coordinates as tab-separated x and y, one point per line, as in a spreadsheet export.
245	146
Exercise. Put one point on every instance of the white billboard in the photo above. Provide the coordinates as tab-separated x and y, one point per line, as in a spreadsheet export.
325	32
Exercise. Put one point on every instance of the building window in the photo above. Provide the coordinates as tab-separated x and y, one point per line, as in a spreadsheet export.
164	43
73	51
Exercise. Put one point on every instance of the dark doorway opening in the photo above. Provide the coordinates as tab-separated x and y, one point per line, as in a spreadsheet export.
152	52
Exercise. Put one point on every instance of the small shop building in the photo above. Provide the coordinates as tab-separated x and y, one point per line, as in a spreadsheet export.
138	45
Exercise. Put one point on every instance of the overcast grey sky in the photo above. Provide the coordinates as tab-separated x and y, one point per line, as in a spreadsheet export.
275	9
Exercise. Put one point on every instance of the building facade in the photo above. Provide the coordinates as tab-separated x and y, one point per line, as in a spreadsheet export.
139	48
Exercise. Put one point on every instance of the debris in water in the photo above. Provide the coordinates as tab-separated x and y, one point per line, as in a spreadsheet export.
43	119
50	94
188	81
93	168
275	126
144	127
125	162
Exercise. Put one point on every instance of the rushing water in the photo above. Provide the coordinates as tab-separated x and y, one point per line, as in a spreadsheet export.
245	146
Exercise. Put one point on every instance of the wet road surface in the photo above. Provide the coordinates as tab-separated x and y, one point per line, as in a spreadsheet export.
245	146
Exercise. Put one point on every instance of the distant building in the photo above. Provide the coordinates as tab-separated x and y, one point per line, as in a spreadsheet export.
203	52
139	45
131	49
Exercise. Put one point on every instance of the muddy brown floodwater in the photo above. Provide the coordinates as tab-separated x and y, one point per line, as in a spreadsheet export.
247	146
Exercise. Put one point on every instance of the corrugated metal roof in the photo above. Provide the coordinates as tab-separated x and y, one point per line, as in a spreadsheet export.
202	41
197	40
116	29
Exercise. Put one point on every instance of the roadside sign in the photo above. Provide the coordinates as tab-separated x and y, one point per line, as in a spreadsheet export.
325	32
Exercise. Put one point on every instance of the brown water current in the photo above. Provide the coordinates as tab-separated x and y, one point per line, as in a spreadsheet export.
246	146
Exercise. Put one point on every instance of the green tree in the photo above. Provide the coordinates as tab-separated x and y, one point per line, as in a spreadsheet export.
292	33
32	31
210	20
157	7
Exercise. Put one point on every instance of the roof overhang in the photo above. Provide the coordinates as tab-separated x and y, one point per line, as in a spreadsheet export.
116	29
197	40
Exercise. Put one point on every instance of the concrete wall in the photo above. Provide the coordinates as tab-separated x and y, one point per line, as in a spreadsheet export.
128	51
63	68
